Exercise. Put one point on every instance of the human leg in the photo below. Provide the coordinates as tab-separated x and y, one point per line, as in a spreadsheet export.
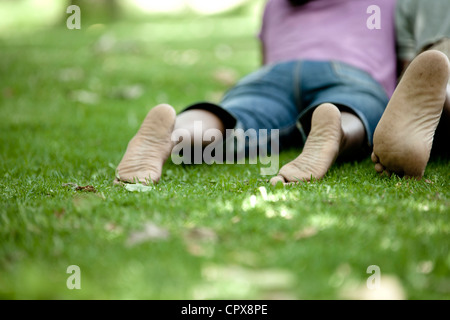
354	135
442	134
440	143
259	101
341	126
151	146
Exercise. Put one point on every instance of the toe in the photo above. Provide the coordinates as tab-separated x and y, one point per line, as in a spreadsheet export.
375	158
386	172
117	182
379	168
278	179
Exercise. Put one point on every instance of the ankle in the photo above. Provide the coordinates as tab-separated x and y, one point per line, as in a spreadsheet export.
353	135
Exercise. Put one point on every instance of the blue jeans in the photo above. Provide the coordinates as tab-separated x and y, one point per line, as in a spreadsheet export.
283	96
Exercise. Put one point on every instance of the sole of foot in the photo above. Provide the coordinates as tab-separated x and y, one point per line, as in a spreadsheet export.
320	151
404	136
149	148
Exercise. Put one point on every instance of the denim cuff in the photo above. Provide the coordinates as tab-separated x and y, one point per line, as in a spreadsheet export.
229	121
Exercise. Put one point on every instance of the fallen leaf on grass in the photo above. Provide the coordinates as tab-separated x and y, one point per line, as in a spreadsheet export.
199	241
278	236
76	187
70	184
59	213
112	227
196	249
86	202
137	187
9	92
425	267
151	232
235	219
85	97
71	74
305	233
86	188
200	234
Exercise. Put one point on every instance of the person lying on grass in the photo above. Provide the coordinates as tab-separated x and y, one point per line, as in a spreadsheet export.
417	118
326	79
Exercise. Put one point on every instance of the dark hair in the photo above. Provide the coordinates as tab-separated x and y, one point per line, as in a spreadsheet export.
297	3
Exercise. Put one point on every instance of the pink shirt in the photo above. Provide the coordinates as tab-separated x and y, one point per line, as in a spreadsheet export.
334	30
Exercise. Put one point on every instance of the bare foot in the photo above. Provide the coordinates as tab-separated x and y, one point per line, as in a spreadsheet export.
149	148
321	148
404	135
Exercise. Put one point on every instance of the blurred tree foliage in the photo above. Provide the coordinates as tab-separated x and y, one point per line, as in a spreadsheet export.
97	11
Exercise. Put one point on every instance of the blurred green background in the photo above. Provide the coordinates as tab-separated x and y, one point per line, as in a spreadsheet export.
25	14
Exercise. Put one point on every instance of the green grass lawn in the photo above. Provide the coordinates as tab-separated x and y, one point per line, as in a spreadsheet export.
70	100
